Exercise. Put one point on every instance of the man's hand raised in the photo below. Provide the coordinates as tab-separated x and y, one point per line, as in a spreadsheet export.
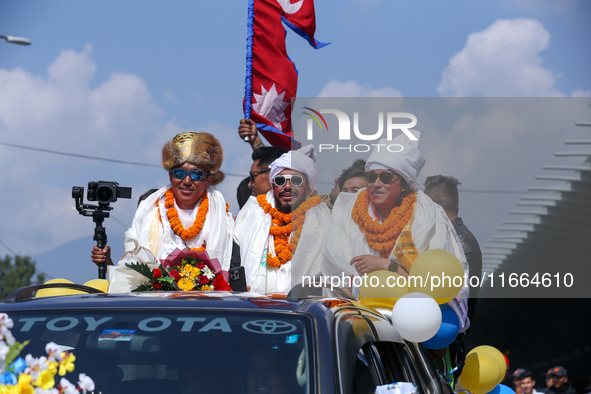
248	132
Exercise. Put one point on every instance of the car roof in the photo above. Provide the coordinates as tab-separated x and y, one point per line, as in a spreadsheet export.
195	300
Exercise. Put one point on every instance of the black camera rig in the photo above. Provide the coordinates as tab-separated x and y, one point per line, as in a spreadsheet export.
104	193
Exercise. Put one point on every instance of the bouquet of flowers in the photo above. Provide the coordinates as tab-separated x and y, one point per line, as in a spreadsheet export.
184	270
35	375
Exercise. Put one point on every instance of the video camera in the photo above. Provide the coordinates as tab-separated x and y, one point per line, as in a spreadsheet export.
104	193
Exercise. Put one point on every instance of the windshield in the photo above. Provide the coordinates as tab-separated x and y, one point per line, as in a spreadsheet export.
179	351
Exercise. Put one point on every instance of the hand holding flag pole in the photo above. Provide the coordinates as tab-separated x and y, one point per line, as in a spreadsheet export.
271	76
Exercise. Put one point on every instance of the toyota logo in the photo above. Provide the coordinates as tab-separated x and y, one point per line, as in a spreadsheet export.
269	327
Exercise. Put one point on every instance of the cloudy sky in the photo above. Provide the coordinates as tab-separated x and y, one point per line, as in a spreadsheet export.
116	80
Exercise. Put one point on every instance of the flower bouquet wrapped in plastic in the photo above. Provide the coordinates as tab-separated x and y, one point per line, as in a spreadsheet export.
185	270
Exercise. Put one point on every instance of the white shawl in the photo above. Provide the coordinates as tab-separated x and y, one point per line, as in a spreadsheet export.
430	229
217	229
251	233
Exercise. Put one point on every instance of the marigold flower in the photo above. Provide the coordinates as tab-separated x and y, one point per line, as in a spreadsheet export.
382	237
281	229
175	222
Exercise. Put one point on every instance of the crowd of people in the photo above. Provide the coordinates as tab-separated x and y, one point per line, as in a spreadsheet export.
556	382
374	218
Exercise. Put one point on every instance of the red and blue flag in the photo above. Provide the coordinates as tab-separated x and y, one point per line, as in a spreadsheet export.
271	76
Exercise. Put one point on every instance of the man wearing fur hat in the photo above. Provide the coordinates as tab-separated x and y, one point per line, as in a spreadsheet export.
280	234
389	223
189	212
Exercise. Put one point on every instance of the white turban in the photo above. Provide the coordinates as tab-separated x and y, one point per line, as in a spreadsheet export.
407	163
301	160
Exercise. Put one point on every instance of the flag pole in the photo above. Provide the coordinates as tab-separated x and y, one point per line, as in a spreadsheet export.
248	79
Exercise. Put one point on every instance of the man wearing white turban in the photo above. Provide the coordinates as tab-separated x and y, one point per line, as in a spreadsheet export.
388	224
284	222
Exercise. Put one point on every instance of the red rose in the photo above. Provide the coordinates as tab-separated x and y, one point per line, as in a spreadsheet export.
157	285
157	273
175	274
220	284
200	266
203	279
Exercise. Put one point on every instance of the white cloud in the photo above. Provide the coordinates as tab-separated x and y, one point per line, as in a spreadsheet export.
62	111
501	61
336	88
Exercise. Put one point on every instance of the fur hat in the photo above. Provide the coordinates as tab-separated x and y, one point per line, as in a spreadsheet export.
201	149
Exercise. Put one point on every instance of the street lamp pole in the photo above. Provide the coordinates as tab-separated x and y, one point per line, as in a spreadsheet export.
16	40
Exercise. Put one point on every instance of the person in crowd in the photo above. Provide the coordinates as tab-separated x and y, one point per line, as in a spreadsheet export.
279	236
390	223
549	382
560	385
528	383
334	192
353	178
443	190
259	170
357	173
248	129
243	192
187	213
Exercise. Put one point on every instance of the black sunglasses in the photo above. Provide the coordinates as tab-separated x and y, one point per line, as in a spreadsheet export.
195	175
295	180
254	174
385	177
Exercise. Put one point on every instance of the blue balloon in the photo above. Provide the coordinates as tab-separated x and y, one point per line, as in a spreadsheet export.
446	335
501	389
449	315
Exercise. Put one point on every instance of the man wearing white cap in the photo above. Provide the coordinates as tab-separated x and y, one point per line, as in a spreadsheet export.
388	224
285	221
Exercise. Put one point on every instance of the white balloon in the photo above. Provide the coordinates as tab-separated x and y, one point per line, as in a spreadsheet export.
417	317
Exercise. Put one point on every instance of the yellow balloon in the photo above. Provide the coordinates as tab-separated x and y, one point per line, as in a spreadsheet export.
437	273
496	354
57	291
380	289
99	284
481	373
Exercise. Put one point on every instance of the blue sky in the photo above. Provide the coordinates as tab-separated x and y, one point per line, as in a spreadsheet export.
119	79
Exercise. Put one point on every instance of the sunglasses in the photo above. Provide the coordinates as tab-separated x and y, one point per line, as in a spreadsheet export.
254	174
387	178
195	175
295	180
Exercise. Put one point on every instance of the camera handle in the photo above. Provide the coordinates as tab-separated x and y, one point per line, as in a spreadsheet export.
100	236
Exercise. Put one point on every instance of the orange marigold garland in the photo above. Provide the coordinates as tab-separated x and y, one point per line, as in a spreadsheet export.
382	237
175	222
281	229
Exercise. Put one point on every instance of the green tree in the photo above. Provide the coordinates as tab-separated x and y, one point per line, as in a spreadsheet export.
17	274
